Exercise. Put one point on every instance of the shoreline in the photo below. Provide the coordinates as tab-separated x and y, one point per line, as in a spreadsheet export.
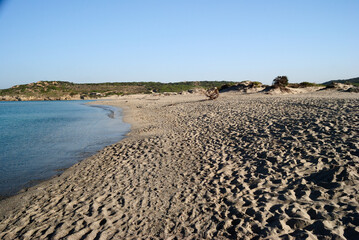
9	202
110	112
242	165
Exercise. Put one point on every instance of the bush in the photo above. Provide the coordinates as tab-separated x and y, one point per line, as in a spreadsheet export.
294	85
256	84
225	86
307	84
280	81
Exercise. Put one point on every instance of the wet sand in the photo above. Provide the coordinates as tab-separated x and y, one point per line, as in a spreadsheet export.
250	166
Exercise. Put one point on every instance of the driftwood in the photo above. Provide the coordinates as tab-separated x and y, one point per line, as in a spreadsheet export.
212	93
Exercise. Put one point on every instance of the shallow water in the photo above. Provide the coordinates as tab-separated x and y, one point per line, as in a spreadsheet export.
39	138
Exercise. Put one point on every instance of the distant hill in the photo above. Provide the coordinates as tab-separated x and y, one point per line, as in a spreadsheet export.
354	81
60	90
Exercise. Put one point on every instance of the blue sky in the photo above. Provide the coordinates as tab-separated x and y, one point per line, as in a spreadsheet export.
169	41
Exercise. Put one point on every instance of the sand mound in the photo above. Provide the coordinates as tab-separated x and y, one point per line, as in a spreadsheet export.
244	87
343	87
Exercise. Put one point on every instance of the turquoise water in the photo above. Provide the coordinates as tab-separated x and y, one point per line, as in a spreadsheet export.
39	138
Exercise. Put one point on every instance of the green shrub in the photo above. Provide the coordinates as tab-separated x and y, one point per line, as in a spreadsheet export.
280	81
307	84
225	86
257	84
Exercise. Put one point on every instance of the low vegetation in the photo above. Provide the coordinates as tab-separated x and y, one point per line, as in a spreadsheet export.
58	89
54	90
352	81
304	85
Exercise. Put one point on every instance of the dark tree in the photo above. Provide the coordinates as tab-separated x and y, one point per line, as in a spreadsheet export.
280	81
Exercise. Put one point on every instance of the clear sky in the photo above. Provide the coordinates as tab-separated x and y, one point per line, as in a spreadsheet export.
183	40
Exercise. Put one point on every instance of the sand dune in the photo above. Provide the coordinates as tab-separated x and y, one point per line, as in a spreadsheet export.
240	167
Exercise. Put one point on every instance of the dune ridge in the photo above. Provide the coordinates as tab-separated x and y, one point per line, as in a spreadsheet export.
240	167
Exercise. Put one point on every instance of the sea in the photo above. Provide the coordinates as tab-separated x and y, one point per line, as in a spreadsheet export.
39	139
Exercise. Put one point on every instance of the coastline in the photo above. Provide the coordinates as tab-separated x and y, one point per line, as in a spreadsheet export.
13	201
205	169
81	153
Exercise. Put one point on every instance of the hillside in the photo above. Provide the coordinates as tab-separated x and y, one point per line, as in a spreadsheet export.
354	81
60	90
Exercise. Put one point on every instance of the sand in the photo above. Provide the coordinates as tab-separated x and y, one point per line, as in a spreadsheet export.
244	166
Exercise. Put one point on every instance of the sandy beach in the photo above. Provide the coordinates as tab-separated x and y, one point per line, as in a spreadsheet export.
243	166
